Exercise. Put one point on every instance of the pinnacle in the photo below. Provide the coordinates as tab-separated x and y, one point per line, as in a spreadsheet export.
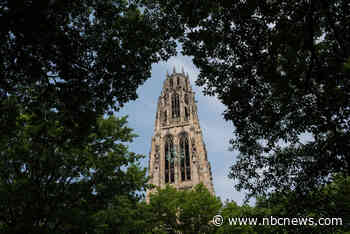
174	71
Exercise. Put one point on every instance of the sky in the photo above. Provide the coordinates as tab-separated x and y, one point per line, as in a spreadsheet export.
216	131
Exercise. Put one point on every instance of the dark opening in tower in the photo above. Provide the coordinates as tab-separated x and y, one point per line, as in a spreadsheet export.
169	160
185	166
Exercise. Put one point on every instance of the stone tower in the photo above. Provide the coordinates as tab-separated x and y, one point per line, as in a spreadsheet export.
178	155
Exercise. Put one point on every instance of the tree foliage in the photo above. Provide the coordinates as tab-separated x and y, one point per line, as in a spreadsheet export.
281	68
48	183
187	211
63	65
80	58
331	201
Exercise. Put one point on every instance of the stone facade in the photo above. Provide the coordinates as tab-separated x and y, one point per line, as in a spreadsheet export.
178	155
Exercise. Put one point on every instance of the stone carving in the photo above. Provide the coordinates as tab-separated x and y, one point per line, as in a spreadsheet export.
156	157
166	96
194	150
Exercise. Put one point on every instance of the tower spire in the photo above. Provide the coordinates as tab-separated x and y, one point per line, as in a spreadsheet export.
174	71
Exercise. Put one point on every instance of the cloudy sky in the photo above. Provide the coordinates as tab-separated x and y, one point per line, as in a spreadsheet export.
216	131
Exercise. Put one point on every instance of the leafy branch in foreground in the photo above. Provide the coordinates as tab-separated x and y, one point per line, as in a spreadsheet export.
281	68
51	184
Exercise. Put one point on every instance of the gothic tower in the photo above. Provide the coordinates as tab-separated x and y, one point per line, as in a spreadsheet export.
178	155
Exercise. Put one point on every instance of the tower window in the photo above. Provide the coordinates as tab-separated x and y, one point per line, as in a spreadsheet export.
175	106
169	160
177	81
165	116
186	98
171	83
185	165
186	114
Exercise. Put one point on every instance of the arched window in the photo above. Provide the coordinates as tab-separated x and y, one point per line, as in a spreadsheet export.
171	83
165	117
186	98
177	81
175	106
169	160
187	114
185	165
